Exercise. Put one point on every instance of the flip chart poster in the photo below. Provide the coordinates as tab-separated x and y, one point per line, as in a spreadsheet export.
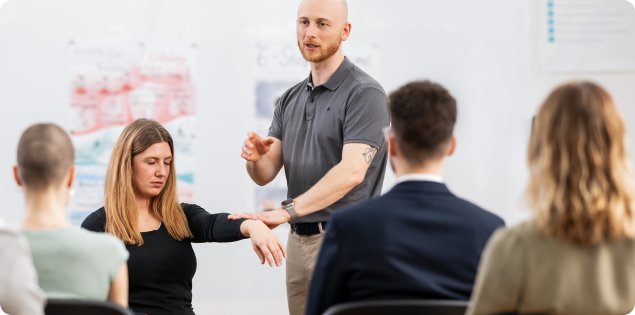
113	84
586	36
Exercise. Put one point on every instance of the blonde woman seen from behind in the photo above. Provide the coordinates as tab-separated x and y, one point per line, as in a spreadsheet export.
577	256
71	263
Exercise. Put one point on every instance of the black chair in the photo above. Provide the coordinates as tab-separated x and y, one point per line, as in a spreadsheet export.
81	307
399	307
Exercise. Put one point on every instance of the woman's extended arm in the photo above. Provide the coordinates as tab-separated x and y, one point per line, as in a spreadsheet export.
208	227
119	288
265	243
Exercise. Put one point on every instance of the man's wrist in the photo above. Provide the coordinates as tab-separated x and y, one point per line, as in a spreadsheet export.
289	205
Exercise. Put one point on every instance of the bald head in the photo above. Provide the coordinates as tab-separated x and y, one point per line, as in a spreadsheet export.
333	10
45	156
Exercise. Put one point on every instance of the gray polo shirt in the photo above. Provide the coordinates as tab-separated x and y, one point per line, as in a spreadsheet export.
314	124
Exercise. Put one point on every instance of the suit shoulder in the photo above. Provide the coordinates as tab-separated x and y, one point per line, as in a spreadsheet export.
481	214
365	208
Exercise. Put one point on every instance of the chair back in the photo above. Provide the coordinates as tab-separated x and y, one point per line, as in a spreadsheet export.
399	307
81	307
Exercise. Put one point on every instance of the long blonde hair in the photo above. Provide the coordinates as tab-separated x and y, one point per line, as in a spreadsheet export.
122	214
580	187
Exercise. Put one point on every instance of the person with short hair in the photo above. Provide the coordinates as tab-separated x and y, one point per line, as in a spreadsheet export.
326	133
418	241
19	290
577	255
72	263
141	208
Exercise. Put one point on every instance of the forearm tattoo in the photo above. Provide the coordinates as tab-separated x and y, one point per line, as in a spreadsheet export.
369	154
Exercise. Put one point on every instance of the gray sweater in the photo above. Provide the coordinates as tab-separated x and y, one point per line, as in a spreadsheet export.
19	290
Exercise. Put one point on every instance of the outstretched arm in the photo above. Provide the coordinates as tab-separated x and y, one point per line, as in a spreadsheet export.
208	227
350	172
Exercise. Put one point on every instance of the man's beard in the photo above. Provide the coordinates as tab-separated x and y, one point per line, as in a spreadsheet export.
319	56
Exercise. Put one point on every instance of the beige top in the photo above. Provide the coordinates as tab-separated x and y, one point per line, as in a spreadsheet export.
522	271
19	291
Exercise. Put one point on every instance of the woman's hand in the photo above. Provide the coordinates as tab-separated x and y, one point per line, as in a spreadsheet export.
265	243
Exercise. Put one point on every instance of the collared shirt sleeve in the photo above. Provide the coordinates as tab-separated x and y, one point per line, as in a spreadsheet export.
366	115
328	285
275	130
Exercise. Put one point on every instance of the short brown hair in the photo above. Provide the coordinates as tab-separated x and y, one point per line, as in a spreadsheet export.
580	186
45	156
423	115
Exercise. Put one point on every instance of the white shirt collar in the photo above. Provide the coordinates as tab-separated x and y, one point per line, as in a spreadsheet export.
420	177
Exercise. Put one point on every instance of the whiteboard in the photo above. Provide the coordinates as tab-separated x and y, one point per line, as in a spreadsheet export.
485	52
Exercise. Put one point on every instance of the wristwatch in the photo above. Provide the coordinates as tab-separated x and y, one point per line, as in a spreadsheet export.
289	205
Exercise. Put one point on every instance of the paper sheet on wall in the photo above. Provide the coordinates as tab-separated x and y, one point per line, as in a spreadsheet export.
114	83
278	67
586	36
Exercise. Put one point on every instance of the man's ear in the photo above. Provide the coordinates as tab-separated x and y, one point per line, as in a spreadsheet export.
452	146
392	146
16	175
71	177
346	31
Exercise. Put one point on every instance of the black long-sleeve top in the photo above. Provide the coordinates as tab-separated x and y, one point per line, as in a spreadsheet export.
161	270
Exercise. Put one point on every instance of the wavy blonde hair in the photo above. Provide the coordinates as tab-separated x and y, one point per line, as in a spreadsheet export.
122	214
580	187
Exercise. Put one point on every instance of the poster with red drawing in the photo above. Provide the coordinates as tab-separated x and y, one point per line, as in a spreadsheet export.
114	83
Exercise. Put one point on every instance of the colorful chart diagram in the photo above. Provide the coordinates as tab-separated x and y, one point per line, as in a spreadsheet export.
113	84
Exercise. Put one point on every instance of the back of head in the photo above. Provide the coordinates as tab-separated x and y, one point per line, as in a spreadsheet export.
580	186
423	115
45	156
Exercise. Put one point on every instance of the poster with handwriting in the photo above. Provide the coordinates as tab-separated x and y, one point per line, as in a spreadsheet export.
115	83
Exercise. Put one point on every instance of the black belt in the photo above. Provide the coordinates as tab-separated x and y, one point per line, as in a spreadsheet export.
307	228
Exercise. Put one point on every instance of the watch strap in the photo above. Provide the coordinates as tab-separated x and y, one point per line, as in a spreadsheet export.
292	213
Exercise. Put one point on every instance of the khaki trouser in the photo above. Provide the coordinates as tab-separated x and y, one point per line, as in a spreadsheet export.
302	254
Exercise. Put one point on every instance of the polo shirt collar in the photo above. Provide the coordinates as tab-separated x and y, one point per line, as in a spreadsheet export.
337	78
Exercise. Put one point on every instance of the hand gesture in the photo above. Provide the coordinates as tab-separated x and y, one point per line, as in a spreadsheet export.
271	218
255	147
266	244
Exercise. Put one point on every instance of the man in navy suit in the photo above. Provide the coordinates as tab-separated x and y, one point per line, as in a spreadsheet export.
418	241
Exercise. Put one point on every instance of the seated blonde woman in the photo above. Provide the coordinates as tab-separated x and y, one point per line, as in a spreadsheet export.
71	263
141	208
577	256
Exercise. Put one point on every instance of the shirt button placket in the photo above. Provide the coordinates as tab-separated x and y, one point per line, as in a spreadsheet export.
310	105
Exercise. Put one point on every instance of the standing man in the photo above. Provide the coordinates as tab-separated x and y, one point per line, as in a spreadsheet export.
326	132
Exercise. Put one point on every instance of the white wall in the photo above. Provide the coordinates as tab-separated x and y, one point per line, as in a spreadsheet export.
482	51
